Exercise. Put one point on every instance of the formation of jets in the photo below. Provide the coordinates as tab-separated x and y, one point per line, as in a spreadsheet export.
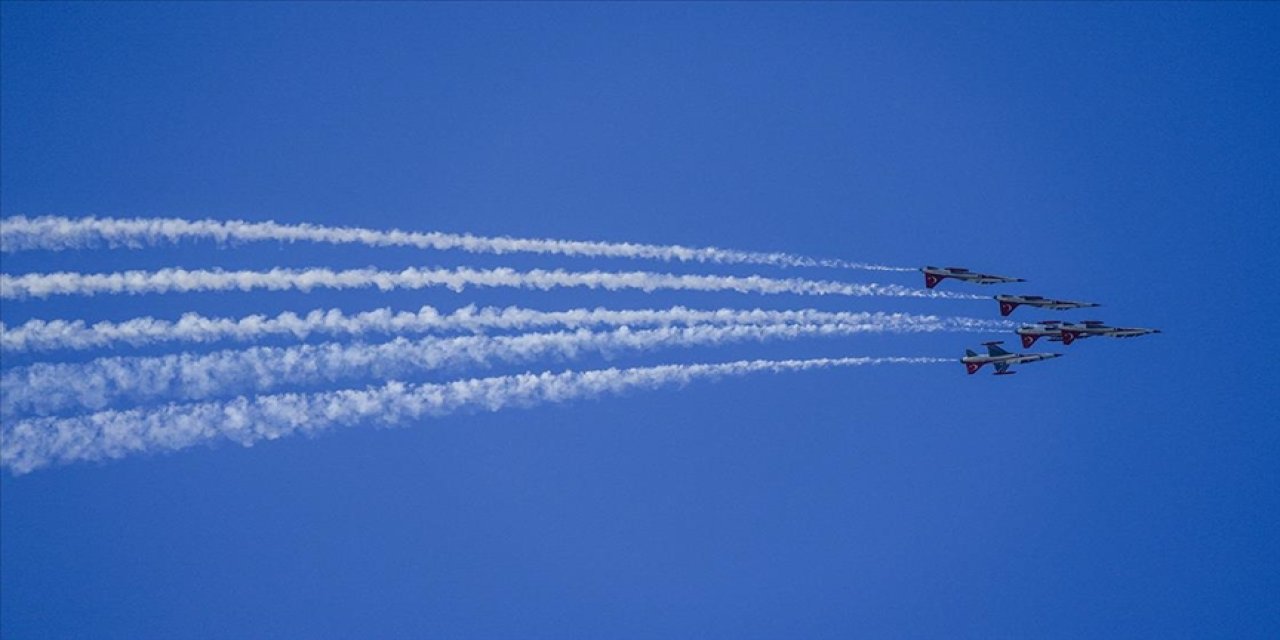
1052	330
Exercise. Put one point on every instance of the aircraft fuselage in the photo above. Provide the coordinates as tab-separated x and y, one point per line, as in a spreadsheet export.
1032	332
1073	331
1002	362
1009	303
935	275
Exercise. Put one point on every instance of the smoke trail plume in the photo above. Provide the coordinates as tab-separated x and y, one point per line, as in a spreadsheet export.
56	232
40	285
30	444
43	388
44	335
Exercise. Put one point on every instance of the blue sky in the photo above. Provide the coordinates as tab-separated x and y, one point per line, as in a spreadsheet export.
1124	153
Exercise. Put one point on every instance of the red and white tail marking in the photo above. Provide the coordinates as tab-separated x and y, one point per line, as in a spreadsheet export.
1007	308
1027	341
931	280
1069	336
973	367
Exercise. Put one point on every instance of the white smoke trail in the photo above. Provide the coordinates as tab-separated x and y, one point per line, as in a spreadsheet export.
40	285
44	335
44	388
56	232
30	444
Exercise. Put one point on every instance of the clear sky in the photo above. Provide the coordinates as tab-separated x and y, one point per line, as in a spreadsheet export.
1124	153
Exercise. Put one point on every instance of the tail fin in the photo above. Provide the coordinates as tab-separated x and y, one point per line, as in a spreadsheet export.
972	367
1069	336
931	280
969	352
1007	308
1027	340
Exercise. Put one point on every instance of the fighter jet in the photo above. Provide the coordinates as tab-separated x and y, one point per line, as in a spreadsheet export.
1071	331
1051	329
934	275
1001	359
1009	303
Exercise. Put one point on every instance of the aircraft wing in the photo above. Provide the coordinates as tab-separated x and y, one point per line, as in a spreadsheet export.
993	350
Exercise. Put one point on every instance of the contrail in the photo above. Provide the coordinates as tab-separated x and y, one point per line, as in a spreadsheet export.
45	335
30	444
40	285
57	232
44	389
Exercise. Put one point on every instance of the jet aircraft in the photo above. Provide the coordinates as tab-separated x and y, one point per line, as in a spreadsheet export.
1001	359
1089	328
1009	303
934	275
1051	329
